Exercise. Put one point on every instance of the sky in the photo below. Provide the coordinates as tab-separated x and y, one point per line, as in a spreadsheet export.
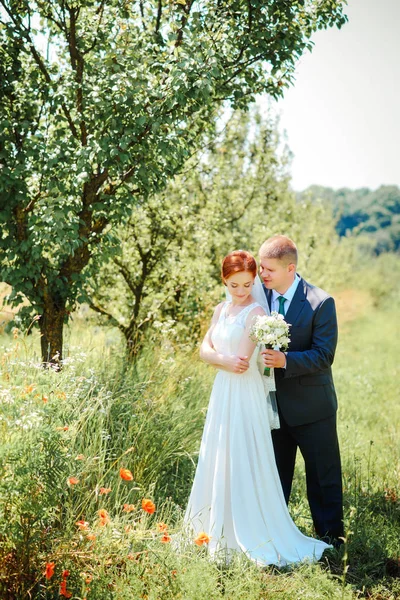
342	116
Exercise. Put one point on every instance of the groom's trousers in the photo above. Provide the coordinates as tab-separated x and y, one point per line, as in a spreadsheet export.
319	446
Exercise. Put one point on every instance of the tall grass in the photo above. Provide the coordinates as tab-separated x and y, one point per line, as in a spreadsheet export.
100	414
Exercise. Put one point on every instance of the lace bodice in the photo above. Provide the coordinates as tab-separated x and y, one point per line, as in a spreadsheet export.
229	329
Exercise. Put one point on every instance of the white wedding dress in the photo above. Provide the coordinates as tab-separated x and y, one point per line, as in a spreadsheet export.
236	496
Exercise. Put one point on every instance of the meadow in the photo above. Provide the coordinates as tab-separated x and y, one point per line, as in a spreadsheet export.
97	462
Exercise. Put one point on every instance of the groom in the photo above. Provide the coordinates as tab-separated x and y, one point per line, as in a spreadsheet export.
304	386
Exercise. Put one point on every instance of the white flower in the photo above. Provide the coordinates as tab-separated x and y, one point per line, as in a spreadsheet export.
271	330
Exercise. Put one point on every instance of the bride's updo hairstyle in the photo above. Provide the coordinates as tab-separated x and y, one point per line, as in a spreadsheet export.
236	262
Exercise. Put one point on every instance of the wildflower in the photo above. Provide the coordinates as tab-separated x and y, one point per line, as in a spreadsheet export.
63	589
134	556
88	579
83	525
80	457
202	538
65	574
61	395
45	398
104	491
128	508
91	537
165	538
174	573
49	572
72	480
162	527
148	506
390	495
126	474
29	388
104	517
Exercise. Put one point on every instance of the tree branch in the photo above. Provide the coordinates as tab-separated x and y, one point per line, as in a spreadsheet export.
159	13
24	33
77	64
123	269
99	309
100	12
142	15
185	18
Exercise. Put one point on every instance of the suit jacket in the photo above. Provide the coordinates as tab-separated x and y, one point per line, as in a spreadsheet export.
305	390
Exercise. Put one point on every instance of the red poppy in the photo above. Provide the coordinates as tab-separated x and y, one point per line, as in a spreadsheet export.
104	517
202	538
128	507
63	589
165	538
148	506
82	525
72	480
162	527
126	474
49	572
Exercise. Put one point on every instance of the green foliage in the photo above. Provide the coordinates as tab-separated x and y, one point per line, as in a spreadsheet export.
88	422
374	216
102	103
233	195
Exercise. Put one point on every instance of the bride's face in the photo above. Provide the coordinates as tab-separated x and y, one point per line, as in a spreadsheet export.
239	286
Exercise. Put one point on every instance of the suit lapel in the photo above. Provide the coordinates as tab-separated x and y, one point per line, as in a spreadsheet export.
268	295
297	303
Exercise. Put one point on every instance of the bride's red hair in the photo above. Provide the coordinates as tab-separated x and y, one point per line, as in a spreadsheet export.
236	262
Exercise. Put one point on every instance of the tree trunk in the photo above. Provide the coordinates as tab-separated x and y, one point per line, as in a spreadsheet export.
51	328
132	339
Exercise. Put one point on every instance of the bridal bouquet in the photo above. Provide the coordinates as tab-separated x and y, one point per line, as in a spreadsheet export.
272	331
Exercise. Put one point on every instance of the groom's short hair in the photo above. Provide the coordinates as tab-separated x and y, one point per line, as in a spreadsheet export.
280	247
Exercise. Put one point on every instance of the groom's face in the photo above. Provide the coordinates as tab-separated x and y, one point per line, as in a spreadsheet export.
276	274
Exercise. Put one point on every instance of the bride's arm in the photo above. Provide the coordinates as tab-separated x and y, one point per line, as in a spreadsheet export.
233	363
246	344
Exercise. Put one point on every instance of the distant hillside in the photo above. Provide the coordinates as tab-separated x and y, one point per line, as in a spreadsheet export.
363	211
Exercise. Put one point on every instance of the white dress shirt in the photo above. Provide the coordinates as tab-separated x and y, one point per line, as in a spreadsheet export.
288	295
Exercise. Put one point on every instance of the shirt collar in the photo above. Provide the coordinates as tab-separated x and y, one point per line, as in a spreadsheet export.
289	292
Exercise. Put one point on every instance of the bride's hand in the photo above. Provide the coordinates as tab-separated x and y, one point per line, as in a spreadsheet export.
236	364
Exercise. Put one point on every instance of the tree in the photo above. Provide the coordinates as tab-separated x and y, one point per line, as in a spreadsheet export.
372	214
233	195
102	103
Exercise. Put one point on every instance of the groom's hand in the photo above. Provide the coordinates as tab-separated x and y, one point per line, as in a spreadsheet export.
274	359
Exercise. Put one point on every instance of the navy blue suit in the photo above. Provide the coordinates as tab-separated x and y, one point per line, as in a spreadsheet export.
307	406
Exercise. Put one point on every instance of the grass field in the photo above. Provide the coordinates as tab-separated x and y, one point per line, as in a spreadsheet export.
100	415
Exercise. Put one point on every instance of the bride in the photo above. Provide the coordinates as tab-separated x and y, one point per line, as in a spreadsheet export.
236	498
